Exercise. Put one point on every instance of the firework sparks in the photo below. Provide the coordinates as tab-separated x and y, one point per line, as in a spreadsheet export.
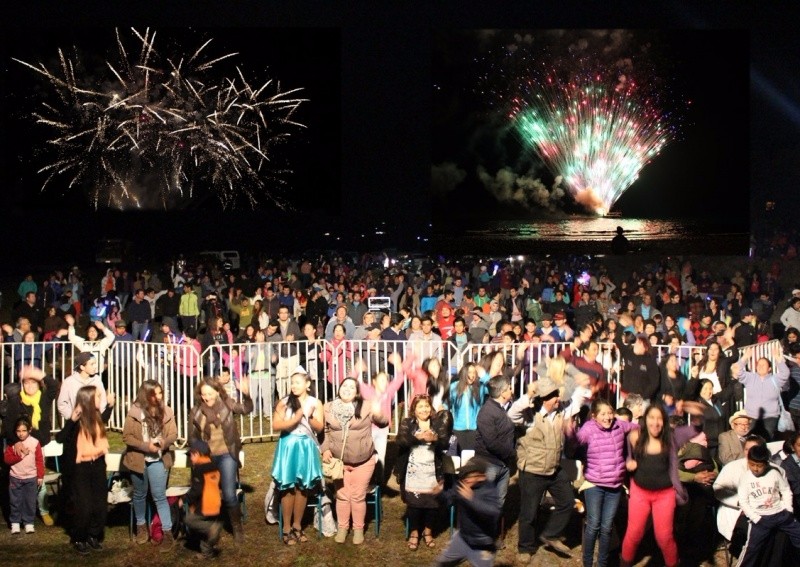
162	129
595	125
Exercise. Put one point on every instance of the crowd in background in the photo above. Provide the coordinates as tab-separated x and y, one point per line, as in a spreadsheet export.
653	318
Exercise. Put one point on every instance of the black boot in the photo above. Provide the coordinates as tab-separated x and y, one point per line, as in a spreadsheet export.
235	514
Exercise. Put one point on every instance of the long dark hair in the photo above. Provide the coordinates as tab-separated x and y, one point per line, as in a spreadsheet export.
90	421
292	401
644	435
212	381
439	382
462	386
152	408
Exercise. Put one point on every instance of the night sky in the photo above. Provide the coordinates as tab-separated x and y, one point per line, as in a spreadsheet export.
370	148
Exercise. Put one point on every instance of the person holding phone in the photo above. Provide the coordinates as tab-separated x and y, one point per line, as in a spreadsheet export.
149	432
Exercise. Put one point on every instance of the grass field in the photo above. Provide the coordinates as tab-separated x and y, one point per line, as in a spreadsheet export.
50	546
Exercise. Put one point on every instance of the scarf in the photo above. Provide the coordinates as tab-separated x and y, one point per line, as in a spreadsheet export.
212	417
343	411
34	402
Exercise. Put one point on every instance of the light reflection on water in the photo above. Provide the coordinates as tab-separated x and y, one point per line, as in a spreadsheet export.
595	229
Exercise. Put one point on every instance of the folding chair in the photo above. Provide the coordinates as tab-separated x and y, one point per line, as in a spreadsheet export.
374	498
113	467
316	505
239	490
53	450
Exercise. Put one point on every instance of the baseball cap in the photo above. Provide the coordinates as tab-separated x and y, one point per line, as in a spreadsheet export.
82	358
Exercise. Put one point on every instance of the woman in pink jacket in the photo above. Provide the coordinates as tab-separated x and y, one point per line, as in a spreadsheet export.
604	437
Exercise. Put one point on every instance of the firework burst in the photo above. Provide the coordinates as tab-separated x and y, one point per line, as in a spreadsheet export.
156	131
595	126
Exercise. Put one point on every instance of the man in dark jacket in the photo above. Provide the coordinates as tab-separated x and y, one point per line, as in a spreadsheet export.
494	439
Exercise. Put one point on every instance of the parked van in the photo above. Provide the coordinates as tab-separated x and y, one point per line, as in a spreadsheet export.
230	257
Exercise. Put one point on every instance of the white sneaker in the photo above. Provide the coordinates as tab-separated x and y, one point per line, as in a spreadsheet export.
14	528
29	529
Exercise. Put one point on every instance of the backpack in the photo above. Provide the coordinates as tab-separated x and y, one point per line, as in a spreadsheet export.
176	515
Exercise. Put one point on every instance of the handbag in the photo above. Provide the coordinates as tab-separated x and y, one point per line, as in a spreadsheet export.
334	469
785	422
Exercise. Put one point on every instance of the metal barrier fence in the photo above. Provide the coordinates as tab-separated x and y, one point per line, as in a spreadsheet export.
269	366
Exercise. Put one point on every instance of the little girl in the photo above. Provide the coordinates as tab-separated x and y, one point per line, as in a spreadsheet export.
604	438
27	474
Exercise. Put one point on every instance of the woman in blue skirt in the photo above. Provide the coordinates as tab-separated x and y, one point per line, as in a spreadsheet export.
297	466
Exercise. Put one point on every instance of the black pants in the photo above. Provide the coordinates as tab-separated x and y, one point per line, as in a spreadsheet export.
89	493
532	487
420	519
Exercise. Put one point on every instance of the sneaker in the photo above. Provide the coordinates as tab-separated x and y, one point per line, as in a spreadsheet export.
29	529
141	534
81	547
47	519
95	544
556	546
15	529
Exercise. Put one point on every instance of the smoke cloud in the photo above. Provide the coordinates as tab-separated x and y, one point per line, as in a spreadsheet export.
509	187
445	177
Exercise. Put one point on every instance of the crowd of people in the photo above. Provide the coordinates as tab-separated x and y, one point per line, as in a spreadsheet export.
686	414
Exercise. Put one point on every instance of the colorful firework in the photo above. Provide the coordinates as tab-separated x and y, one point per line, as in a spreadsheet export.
596	130
155	131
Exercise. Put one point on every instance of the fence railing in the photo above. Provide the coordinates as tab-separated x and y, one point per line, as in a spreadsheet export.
269	366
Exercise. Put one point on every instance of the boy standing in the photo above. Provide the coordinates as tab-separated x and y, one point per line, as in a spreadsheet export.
479	511
204	499
766	500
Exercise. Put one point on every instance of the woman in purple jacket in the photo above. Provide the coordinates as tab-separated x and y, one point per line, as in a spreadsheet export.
604	438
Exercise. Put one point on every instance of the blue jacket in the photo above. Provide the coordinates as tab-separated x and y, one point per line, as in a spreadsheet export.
465	413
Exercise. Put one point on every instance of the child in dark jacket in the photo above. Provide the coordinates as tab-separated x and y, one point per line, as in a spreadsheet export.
204	499
479	513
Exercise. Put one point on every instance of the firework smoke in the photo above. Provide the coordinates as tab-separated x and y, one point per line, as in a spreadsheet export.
160	130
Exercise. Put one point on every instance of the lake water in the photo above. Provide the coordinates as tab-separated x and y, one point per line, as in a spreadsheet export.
587	235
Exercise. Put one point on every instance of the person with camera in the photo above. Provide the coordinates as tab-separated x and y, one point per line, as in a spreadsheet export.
149	432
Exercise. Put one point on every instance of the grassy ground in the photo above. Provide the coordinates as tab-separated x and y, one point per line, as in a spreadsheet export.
50	546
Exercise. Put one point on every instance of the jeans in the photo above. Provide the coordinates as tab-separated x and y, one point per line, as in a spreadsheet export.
228	475
139	330
499	475
262	391
601	507
458	550
154	477
22	497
